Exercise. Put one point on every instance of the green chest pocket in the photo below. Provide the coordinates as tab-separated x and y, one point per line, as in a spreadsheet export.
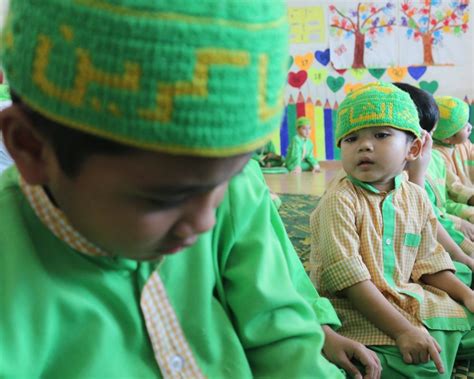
412	240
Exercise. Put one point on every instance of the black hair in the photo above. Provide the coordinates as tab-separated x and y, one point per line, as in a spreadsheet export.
72	147
428	111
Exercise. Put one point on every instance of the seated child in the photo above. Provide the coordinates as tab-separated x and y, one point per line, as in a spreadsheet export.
451	140
433	180
122	160
267	157
374	252
299	156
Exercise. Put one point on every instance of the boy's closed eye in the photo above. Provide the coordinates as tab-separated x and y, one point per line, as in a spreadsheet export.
382	135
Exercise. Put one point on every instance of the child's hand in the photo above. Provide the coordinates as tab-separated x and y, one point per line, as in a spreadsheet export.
467	229
341	351
316	169
417	168
417	346
297	170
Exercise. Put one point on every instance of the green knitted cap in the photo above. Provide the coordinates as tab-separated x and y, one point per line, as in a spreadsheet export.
184	76
302	121
377	104
453	116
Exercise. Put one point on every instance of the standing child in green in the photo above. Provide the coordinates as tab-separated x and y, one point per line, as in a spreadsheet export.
374	249
300	152
130	145
451	140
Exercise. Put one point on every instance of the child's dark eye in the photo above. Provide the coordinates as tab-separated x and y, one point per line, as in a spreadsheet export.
349	139
382	135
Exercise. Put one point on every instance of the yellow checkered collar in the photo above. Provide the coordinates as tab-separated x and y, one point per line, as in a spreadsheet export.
55	220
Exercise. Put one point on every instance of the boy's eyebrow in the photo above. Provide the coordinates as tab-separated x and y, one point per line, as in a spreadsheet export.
183	189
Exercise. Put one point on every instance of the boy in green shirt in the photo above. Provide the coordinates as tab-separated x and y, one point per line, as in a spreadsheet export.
300	152
130	145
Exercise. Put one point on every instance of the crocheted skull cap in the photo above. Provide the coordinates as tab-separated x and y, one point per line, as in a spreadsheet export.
453	116
185	77
376	104
302	121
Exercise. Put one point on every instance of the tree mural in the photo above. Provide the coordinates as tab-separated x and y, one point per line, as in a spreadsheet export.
364	22
431	20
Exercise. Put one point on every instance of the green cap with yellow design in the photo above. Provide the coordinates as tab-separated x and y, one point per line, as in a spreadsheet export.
376	104
184	77
302	121
453	116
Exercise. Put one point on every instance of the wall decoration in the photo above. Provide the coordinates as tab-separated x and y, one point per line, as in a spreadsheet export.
335	84
304	61
307	24
317	75
377	73
416	72
297	79
361	34
431	87
323	57
397	74
428	24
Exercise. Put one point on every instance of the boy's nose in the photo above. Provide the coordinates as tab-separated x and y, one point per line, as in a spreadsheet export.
365	144
198	216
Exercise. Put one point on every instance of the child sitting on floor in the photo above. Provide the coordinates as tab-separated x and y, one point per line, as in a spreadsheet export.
267	157
433	179
300	152
374	253
451	140
136	240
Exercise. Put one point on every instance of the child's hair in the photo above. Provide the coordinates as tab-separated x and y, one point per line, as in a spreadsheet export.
428	111
70	146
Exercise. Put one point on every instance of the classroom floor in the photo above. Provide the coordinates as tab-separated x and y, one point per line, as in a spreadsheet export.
305	183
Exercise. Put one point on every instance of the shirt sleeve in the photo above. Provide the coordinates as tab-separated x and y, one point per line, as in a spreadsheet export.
335	244
457	191
274	305
294	154
431	257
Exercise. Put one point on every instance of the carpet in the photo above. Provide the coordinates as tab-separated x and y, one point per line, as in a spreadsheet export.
295	211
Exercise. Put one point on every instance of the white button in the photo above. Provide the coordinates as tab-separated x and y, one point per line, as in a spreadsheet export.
388	241
176	363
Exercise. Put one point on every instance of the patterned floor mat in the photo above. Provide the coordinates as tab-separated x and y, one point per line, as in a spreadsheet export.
295	211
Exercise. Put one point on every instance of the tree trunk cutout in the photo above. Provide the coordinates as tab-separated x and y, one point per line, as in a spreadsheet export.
427	49
359	47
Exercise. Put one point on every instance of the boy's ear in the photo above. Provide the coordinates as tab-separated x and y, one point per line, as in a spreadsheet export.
415	150
26	146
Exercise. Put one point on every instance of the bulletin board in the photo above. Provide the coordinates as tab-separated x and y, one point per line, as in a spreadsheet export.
337	46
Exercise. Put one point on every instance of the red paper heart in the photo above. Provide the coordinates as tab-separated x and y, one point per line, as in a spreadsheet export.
297	79
341	71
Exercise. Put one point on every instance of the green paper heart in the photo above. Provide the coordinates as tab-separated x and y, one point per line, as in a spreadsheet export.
335	84
430	87
377	73
358	73
317	75
290	62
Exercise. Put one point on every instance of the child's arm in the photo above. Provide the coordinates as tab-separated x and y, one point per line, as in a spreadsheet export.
294	155
452	248
447	281
415	345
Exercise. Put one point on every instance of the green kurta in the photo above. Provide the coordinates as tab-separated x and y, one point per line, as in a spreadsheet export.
294	155
435	186
242	297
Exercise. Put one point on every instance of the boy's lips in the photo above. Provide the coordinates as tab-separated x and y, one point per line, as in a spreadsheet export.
178	246
365	162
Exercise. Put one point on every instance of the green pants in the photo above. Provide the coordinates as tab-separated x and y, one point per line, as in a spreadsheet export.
454	345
